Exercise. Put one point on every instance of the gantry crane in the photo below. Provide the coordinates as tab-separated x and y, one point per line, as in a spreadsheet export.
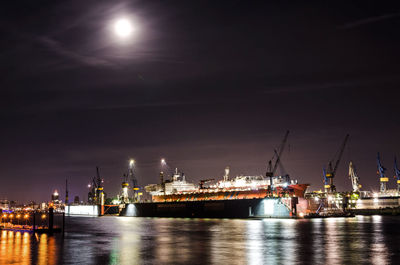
330	172
277	156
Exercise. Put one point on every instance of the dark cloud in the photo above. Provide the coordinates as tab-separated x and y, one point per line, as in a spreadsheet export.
203	84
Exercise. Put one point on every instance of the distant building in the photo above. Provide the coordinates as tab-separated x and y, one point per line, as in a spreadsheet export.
55	197
4	204
76	200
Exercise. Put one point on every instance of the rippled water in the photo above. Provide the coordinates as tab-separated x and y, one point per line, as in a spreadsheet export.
129	240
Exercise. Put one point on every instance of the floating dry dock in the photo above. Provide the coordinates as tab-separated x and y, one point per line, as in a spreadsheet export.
243	208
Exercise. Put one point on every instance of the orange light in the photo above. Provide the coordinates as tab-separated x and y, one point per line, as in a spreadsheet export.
11	215
43	216
4	215
18	215
26	216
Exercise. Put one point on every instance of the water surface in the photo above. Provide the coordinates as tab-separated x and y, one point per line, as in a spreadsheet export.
130	240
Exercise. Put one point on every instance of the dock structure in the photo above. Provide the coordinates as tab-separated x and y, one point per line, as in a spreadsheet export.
35	222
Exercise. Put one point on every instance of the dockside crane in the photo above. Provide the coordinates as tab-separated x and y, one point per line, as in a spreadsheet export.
330	172
381	173
277	156
132	177
99	188
355	180
125	189
397	174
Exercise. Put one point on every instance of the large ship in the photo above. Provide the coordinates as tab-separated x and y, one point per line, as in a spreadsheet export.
239	197
241	187
243	196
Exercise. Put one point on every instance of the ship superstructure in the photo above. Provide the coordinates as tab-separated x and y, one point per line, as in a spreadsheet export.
240	187
177	184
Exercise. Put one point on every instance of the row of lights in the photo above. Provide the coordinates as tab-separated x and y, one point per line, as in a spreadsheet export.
26	216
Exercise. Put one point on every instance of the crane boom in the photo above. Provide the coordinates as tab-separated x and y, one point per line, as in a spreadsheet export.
341	153
279	155
271	169
98	179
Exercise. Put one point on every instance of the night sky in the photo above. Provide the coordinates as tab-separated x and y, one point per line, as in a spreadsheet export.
203	84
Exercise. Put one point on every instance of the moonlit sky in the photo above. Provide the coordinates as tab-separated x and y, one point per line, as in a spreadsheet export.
204	84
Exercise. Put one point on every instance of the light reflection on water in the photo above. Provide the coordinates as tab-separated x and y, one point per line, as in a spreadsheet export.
127	240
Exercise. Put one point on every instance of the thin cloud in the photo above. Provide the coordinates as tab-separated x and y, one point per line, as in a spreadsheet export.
85	59
368	20
308	87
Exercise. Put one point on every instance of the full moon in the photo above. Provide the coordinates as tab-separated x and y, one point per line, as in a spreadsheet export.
123	28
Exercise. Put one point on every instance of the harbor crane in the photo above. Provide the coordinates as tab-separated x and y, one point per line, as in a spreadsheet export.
330	172
132	177
355	180
381	172
96	193
99	188
277	156
397	174
125	189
